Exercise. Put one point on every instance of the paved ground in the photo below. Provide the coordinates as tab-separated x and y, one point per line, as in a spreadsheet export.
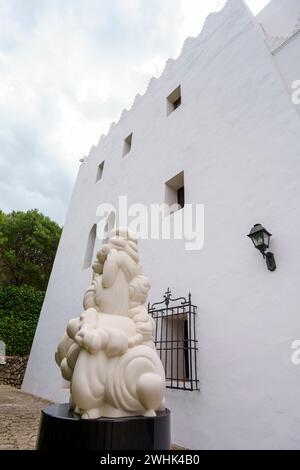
19	418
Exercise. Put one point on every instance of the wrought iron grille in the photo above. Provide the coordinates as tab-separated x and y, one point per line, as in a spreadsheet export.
175	340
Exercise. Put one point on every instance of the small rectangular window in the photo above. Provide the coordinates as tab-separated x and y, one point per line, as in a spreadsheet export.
174	192
177	103
180	197
100	171
174	100
127	145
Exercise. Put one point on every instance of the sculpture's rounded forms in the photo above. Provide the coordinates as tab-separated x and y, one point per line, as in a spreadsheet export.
108	354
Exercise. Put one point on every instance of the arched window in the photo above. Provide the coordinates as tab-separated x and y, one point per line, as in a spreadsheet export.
91	242
88	257
109	225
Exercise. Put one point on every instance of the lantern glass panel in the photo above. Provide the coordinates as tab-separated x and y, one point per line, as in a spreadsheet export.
266	239
258	239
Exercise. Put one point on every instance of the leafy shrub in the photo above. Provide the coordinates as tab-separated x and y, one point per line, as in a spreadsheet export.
28	244
19	313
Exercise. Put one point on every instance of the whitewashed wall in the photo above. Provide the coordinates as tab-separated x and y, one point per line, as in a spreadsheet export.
236	136
279	17
287	59
280	22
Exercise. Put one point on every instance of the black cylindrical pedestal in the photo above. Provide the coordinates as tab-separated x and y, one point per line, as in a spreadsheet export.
61	428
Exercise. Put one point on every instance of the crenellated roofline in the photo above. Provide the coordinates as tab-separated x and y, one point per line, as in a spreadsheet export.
211	24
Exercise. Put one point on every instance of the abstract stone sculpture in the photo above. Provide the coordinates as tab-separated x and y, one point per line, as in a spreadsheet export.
108	354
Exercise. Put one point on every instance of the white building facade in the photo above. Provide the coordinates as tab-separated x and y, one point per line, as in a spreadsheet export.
234	143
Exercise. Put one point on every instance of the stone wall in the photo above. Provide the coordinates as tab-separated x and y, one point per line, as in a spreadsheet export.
13	371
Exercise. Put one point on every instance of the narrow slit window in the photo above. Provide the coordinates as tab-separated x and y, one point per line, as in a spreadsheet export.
127	145
100	171
88	257
174	100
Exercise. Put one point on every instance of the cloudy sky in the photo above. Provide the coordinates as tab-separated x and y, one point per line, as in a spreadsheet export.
67	69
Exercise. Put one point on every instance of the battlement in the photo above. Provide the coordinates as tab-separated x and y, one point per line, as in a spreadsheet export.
192	47
280	21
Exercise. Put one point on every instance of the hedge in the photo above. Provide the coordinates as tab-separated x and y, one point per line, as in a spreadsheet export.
19	313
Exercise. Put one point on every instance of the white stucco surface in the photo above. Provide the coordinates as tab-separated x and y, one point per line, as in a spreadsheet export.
287	59
279	17
236	137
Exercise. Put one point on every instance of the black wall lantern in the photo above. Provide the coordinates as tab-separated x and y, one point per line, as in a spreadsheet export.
261	240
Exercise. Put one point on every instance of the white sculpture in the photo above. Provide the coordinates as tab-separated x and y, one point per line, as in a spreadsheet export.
108	354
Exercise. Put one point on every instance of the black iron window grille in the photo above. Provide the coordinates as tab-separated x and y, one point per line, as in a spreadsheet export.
175	340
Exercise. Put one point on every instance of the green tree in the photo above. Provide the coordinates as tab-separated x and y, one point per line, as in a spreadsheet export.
28	243
19	313
2	221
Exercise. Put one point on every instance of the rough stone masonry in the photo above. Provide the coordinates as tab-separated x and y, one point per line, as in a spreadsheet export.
12	372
